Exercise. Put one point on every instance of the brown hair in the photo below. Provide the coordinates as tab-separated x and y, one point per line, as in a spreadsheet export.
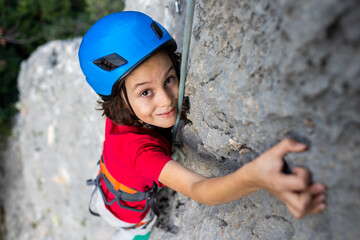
116	109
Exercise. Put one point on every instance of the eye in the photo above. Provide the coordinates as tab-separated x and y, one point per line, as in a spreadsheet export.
146	93
169	80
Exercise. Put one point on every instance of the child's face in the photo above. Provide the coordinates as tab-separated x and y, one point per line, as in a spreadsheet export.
153	90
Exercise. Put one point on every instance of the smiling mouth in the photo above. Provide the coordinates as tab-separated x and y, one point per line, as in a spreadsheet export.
168	114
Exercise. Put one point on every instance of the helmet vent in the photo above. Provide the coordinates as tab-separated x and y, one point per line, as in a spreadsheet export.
157	30
110	62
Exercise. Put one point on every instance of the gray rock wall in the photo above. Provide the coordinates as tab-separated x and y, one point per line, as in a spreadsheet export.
165	12
55	145
258	71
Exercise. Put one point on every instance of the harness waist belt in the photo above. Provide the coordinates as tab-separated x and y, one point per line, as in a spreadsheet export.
122	192
115	183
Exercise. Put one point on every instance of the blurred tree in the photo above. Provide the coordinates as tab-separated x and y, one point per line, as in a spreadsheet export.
26	24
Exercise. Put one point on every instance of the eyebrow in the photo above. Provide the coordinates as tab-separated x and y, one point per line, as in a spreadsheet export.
143	83
139	84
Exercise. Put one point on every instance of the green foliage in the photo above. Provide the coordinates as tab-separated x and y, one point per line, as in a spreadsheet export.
26	24
98	9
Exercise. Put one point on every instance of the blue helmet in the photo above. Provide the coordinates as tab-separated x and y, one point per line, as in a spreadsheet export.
118	43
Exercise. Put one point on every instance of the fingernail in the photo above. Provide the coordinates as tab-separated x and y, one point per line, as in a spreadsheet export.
320	188
300	145
322	198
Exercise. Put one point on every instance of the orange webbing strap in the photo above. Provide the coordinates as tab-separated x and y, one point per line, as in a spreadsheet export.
136	226
116	184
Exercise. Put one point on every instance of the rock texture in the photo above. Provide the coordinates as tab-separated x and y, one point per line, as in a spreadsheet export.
56	142
258	71
171	16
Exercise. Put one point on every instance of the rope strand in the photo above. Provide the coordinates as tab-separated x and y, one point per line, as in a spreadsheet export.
184	59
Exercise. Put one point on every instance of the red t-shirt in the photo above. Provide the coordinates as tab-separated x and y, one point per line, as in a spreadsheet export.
135	157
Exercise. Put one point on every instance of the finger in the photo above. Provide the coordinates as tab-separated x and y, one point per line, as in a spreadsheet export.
318	203
298	181
298	214
317	188
304	203
321	198
302	173
289	200
286	182
318	208
288	145
298	204
293	211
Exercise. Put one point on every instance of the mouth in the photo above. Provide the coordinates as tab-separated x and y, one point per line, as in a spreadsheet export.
168	113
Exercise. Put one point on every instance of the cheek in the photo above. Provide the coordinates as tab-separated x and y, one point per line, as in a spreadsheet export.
143	108
175	92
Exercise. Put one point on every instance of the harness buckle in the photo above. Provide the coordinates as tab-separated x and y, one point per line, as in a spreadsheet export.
90	182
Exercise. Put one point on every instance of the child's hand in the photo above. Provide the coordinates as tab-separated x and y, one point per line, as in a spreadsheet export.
294	190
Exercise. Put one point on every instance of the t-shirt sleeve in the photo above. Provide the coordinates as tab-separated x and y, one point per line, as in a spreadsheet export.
150	161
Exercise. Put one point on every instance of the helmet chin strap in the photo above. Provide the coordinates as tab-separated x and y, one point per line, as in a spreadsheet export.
128	103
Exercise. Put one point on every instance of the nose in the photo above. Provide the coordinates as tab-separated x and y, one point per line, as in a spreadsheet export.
165	97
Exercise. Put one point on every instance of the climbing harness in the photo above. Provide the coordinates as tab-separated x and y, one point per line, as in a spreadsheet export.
121	192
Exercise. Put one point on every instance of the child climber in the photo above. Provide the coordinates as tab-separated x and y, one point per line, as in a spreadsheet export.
130	62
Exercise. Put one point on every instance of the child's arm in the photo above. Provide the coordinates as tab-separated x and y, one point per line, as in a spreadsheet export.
265	172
